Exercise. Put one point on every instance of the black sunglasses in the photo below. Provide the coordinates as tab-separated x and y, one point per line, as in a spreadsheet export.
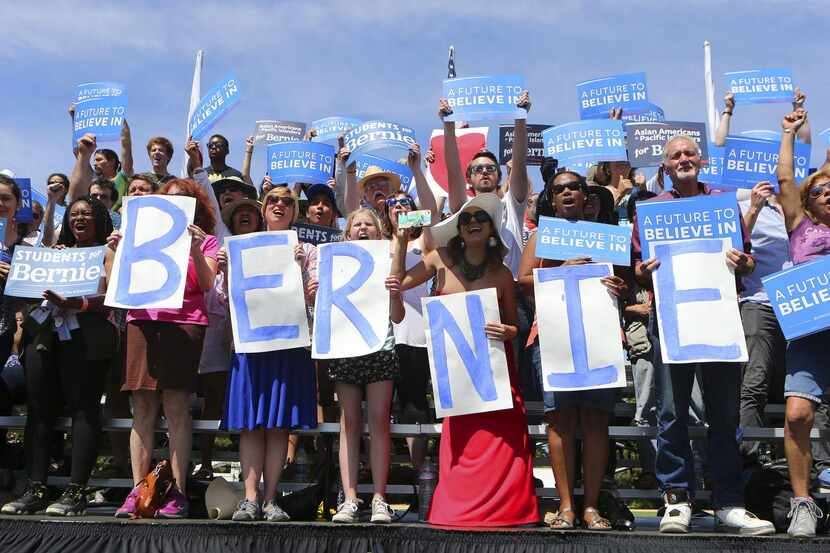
465	217
574	186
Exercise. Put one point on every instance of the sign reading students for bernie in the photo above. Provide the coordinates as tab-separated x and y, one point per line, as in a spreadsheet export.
558	238
213	106
702	216
748	161
652	113
365	161
574	327
262	274
697	302
582	142
469	374
150	265
378	136
800	297
484	98
646	140
535	143
315	234
300	162
271	132
761	86
329	128
70	272
24	210
100	109
598	96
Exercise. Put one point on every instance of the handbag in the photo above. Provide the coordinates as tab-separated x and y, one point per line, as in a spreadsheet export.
153	489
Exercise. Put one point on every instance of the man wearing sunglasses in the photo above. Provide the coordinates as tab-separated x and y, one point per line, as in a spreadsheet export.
483	175
218	150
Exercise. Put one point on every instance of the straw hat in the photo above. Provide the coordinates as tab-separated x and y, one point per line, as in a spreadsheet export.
374	172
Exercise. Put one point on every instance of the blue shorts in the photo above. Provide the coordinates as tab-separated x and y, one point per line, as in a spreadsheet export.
808	367
602	399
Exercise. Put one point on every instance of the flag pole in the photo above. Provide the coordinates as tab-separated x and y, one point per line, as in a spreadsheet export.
195	96
711	110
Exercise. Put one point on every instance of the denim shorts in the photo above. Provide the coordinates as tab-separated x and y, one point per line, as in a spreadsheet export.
602	399
808	367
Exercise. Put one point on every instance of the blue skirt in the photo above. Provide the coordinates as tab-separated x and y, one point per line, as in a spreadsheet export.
274	389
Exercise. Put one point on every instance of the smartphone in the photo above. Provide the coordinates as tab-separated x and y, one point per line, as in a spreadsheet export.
420	218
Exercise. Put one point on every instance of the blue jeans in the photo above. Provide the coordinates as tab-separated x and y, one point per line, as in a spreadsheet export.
674	465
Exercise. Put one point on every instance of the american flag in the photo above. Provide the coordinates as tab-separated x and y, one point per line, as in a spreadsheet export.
451	64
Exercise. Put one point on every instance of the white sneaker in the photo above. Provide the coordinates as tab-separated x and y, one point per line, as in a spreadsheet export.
741	521
347	511
678	513
805	515
382	513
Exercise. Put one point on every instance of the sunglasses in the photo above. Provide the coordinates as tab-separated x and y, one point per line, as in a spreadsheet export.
465	217
484	168
215	145
403	202
817	189
287	201
574	186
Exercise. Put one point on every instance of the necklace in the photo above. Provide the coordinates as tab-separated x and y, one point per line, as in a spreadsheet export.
471	271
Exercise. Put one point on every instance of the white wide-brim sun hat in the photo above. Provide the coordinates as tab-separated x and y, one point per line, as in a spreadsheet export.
444	231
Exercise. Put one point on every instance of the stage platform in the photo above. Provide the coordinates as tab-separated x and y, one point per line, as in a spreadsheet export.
97	534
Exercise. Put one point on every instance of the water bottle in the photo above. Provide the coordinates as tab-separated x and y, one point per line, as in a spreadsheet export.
427	480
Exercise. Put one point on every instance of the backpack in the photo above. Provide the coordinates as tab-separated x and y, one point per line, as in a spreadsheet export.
768	495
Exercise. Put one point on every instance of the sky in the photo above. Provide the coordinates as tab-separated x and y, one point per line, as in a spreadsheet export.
303	60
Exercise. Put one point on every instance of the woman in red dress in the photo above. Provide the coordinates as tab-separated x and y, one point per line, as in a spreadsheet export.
485	463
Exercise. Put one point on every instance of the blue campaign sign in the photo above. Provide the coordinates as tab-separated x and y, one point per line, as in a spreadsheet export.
213	106
761	86
100	109
653	113
70	272
365	161
762	134
300	162
563	239
24	210
380	136
702	216
57	218
800	297
748	161
598	96
580	143
329	128
712	171
484	98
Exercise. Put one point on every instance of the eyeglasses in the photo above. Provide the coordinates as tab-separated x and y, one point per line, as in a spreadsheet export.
403	202
484	168
287	201
817	189
465	217
215	145
574	186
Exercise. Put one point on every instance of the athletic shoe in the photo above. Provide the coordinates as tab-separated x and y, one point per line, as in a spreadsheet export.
347	511
128	509
382	513
32	501
805	515
175	506
741	521
678	512
247	511
71	503
273	512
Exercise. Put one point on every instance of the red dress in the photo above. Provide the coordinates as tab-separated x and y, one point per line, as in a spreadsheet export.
485	472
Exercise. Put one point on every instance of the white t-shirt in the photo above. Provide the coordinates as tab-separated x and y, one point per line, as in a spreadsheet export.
510	230
410	331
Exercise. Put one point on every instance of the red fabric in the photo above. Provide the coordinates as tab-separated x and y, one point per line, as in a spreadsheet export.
486	467
470	142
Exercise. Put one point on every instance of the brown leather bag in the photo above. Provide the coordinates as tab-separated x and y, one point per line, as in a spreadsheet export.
153	489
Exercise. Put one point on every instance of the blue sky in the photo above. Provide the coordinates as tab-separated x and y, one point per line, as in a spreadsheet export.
302	60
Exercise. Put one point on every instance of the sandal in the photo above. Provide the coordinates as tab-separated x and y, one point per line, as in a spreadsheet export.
560	522
597	522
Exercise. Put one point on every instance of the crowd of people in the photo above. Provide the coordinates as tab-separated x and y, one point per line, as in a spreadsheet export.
151	361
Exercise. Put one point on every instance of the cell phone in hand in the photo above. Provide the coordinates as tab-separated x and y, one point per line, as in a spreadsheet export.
419	218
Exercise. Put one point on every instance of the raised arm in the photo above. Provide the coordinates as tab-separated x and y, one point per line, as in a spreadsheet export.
803	133
53	194
351	195
457	185
418	274
757	199
195	170
725	119
519	183
126	149
426	199
789	196
246	161
527	264
81	178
